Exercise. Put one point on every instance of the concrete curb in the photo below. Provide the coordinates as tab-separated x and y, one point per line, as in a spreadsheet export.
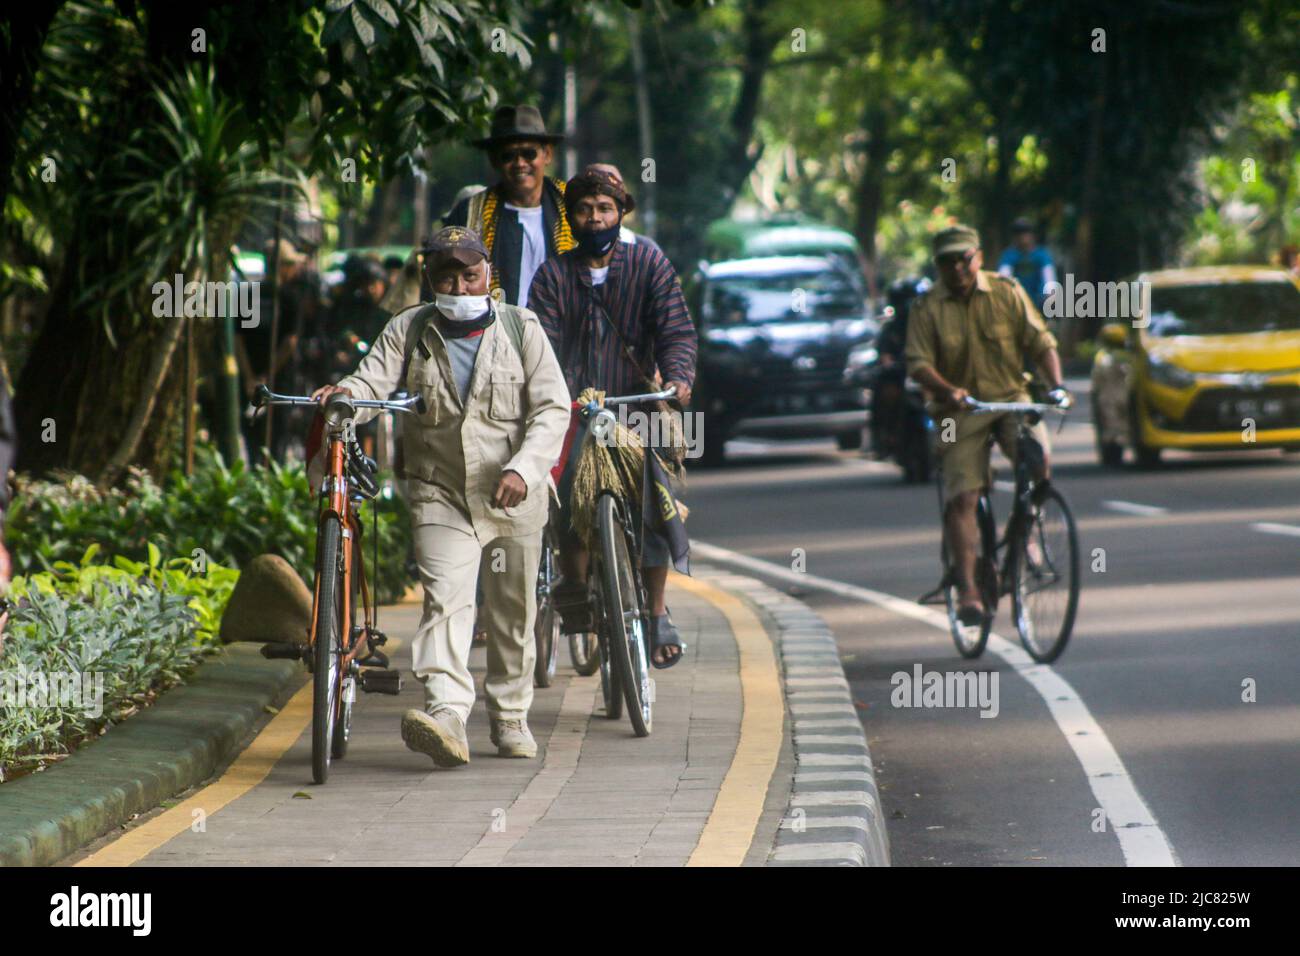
834	816
180	741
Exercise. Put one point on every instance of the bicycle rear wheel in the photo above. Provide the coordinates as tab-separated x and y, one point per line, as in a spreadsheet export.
546	626
624	614
1045	577
326	643
971	639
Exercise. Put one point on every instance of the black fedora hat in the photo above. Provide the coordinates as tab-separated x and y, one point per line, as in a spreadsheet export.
516	123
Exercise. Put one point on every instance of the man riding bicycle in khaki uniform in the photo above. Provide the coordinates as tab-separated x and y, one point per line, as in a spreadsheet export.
973	335
479	462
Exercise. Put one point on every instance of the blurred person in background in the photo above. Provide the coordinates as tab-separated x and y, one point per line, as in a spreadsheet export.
1028	263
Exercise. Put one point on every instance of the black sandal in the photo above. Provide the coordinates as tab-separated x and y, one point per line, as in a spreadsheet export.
664	634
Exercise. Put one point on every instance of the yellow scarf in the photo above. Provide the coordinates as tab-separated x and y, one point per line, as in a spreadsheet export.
562	235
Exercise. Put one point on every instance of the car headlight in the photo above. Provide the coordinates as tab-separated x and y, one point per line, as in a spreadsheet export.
860	357
1169	375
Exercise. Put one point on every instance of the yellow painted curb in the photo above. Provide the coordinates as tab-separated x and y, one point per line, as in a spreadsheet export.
729	831
248	770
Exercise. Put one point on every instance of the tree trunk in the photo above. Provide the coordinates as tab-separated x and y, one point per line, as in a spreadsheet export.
871	190
159	365
20	52
757	49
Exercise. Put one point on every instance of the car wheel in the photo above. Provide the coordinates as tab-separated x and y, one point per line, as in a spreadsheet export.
712	448
1144	456
849	441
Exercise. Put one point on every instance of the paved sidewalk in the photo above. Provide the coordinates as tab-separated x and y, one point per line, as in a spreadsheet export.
595	795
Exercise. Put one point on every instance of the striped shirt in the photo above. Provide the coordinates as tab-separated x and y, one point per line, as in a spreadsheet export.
641	297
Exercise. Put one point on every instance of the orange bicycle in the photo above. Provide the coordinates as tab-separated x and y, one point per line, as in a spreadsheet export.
333	652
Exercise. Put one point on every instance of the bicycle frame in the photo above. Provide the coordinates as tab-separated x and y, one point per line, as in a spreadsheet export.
337	503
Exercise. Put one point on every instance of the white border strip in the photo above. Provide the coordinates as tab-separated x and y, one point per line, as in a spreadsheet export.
1141	839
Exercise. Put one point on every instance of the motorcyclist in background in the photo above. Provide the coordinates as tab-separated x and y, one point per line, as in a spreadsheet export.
888	383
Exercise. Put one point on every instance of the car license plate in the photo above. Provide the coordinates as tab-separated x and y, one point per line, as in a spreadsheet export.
1234	411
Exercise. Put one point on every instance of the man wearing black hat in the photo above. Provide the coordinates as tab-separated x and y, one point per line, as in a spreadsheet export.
478	462
973	334
521	219
615	314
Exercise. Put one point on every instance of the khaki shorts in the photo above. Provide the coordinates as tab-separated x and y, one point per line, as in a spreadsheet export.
965	460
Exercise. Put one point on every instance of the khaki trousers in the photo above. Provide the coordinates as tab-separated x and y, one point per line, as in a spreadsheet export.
449	560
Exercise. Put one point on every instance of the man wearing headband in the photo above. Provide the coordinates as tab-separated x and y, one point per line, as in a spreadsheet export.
478	462
615	313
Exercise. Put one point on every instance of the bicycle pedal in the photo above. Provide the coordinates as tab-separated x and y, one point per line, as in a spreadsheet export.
283	650
374	659
381	682
378	638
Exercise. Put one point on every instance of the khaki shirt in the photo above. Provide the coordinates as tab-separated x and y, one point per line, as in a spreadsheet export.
514	418
981	345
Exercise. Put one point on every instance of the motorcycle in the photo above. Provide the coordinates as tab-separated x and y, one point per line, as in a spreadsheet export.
900	424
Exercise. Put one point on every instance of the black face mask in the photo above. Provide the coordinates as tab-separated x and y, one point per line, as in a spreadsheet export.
594	243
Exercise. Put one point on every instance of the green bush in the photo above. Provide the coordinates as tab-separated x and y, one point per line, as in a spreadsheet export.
124	637
230	514
206	591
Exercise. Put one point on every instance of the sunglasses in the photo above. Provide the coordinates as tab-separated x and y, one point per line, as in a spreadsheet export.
528	153
953	258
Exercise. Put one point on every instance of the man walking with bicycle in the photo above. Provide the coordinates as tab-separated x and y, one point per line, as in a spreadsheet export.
479	461
973	335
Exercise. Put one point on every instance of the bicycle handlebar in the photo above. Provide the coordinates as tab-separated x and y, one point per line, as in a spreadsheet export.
264	396
664	395
1022	408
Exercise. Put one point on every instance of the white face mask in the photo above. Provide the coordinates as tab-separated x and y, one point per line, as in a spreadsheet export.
461	308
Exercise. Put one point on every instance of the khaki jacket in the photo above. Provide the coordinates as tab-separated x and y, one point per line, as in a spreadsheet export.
981	345
514	418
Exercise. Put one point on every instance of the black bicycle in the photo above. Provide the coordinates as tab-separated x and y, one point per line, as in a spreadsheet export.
620	610
1040	551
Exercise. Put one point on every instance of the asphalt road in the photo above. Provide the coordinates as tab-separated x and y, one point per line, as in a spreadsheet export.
1198	602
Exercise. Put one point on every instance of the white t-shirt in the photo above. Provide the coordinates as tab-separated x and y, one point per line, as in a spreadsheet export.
534	247
598	275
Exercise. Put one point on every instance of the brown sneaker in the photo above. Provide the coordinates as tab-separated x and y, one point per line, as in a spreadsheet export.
441	735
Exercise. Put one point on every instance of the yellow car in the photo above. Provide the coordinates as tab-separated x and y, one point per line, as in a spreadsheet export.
1215	365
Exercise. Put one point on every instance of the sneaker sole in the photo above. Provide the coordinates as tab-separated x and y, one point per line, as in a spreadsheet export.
445	751
517	752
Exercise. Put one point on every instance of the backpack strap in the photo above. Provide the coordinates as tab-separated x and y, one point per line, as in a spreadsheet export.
414	332
514	327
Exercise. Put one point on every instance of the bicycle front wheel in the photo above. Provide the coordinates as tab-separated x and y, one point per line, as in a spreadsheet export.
326	645
1045	577
624	614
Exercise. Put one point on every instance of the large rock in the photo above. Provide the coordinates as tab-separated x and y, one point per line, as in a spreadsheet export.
270	603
